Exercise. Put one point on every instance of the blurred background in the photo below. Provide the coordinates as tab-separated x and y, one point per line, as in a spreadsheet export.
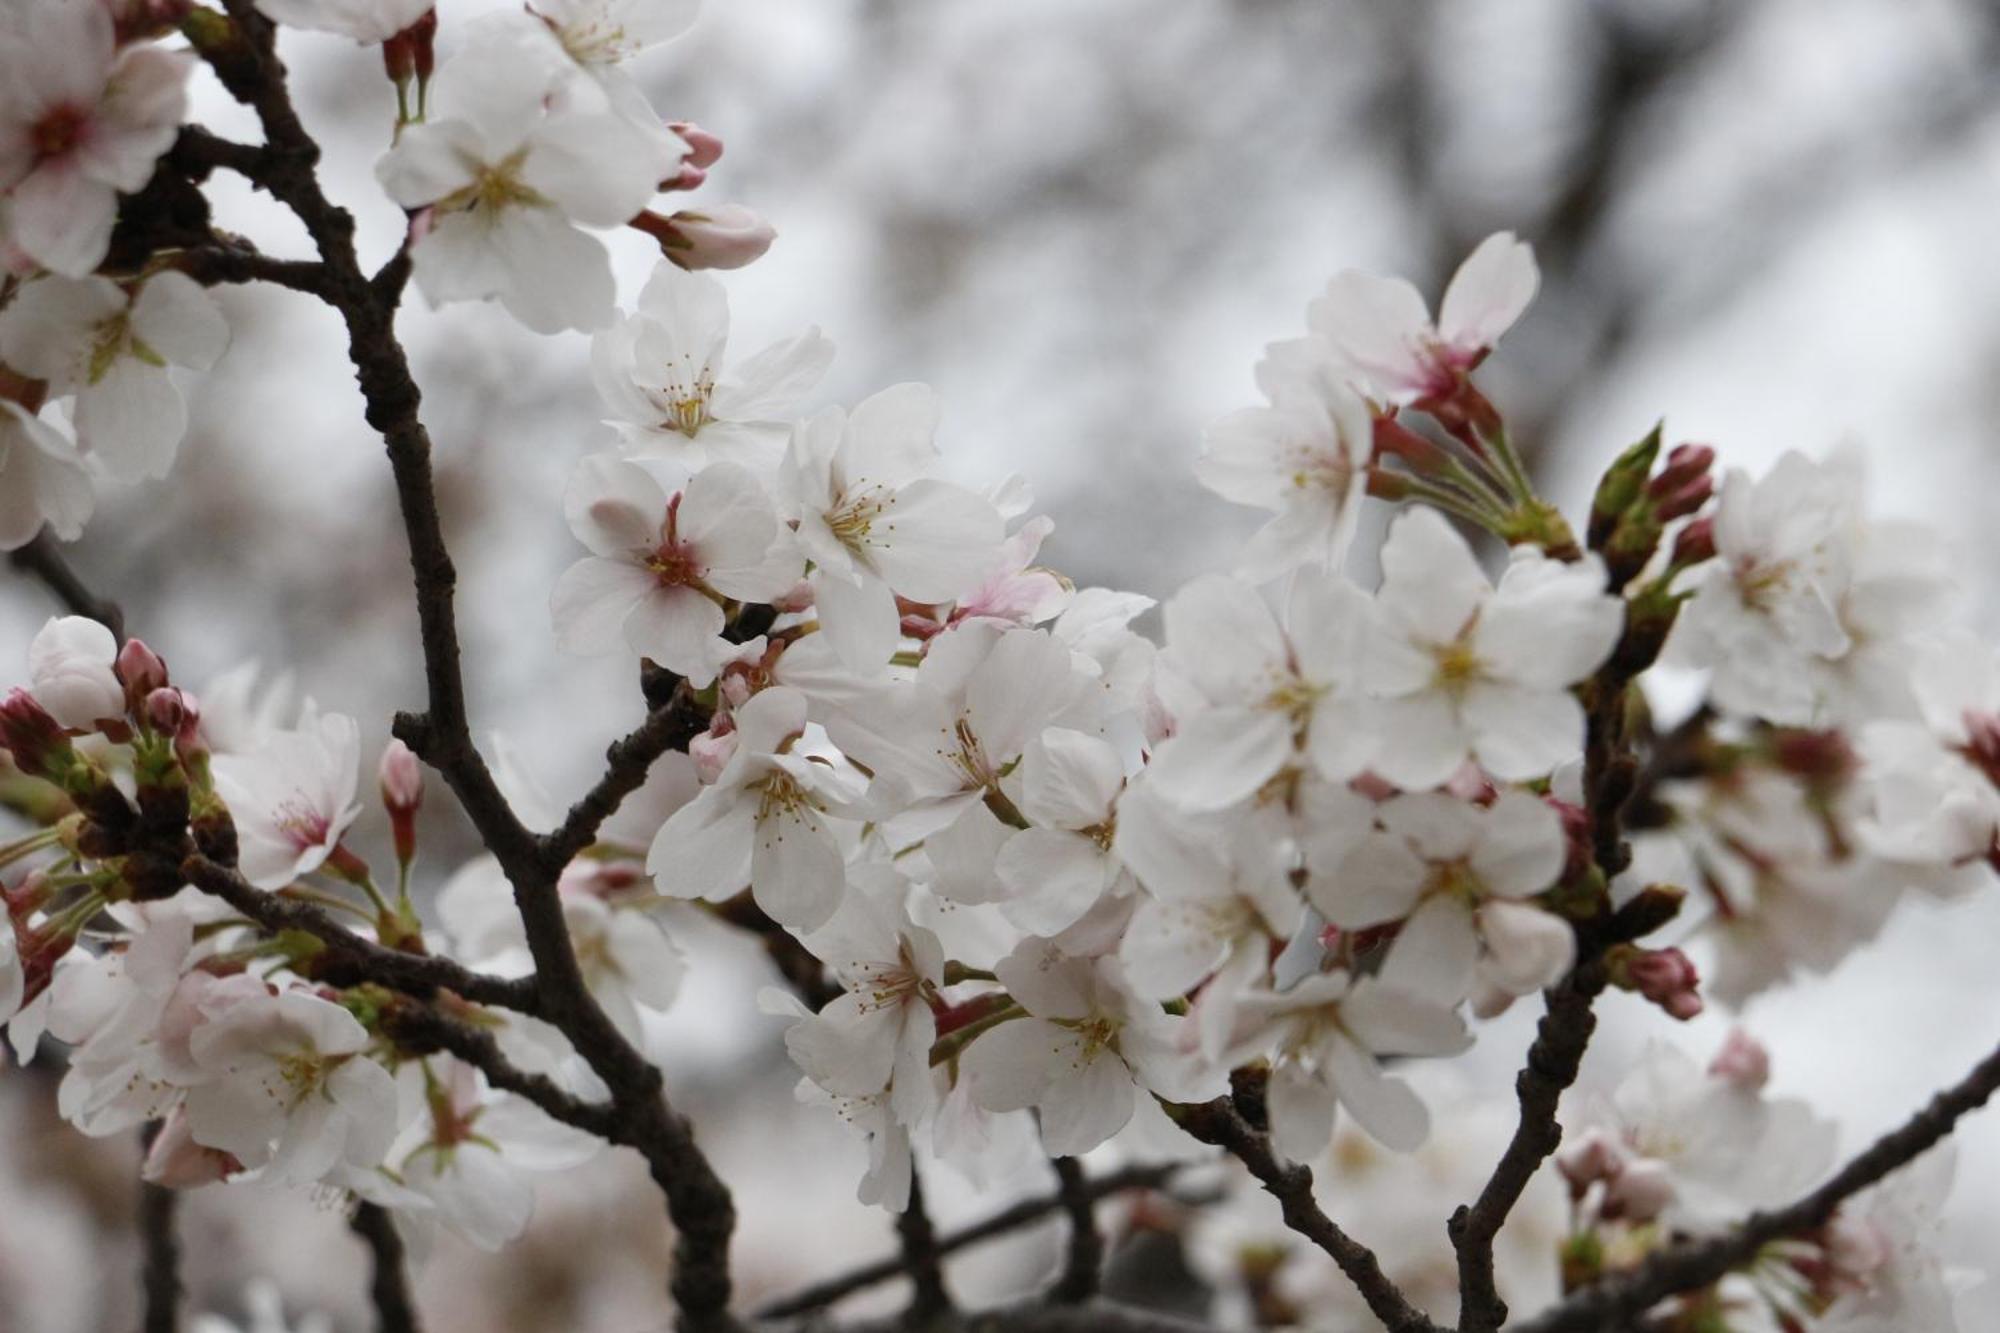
1771	224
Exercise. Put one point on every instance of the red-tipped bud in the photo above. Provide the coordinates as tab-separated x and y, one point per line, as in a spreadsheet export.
1695	543
1592	1156
1685	463
35	739
1681	503
140	669
724	237
1667	977
173	712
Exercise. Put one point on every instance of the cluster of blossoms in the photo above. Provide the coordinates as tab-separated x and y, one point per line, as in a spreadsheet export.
1060	882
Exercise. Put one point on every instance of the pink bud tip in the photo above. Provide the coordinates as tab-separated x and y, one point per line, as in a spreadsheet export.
1742	1062
140	669
35	739
402	778
704	149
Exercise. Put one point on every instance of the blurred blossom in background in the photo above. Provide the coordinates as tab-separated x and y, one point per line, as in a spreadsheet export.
1081	220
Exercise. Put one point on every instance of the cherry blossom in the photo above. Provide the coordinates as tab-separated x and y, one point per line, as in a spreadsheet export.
506	186
42	480
1883	1246
1304	455
80	123
659	371
111	348
1462	669
71	672
293	797
290	1088
1382	326
1274	694
366	21
762	824
666	556
1056	871
876	526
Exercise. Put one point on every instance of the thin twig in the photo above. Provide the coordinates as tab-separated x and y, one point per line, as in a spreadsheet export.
1009	1219
1218	1122
921	1256
161	1279
43	558
627	762
1610	1305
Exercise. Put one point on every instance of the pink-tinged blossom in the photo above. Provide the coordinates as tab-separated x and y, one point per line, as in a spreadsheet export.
1461	669
718	236
366	21
508	184
1383	327
81	122
291	1088
293	797
1325	1038
1303	455
1269	695
1086	1055
764	823
43	481
665	557
113	349
1459	873
71	672
111	1009
1883	1252
1017	591
877	526
660	373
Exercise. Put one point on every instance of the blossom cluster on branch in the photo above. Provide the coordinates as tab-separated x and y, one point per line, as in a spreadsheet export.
1035	883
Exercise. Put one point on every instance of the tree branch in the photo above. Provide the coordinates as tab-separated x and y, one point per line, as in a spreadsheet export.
1084	1262
43	559
351	959
1009	1219
921	1256
395	1311
627	762
160	1281
1219	1123
1610	1305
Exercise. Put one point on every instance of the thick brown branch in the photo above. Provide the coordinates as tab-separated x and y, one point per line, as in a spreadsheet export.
1009	1219
351	959
1612	1305
388	1287
43	558
1219	1123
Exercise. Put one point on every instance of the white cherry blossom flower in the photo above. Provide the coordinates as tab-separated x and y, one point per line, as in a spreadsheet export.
600	33
877	1033
659	371
508	184
1458	872
876	526
110	1010
1057	870
1885	1253
1304	456
1275	695
291	1088
80	123
665	558
366	21
42	480
1384	328
1086	1055
71	672
1324	1037
1463	670
292	798
112	349
763	823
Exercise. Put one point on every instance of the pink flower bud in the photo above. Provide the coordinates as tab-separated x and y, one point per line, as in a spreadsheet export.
141	669
1685	464
172	711
1695	543
1668	978
1641	1191
726	236
176	1161
402	778
1592	1156
704	149
35	739
1681	503
712	749
1742	1062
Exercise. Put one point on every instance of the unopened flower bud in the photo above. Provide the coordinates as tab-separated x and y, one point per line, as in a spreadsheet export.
402	781
712	749
172	711
71	669
1590	1157
726	236
1623	482
1642	1191
1684	463
704	149
1667	977
1694	543
1681	503
1815	757
33	737
1742	1062
141	669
